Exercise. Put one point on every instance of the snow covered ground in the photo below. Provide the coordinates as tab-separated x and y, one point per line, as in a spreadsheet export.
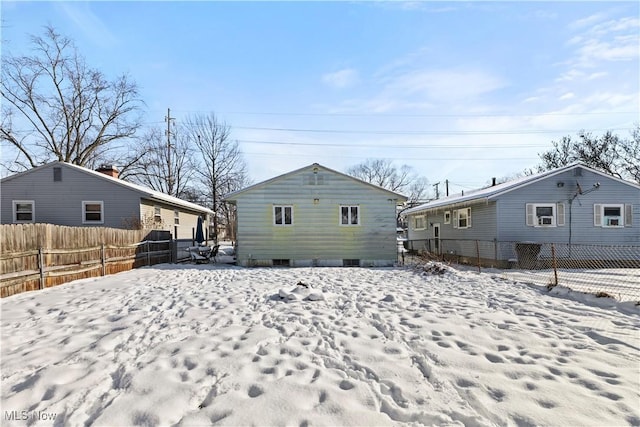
620	283
215	344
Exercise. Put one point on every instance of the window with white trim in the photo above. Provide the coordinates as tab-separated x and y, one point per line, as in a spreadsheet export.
612	215
545	214
419	222
92	212
157	214
447	217
24	211
349	215
176	217
283	215
462	218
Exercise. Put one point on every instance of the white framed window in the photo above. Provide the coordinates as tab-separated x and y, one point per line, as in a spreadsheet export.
447	217
545	214
419	222
176	217
462	218
283	215
92	212
349	215
24	211
612	215
157	213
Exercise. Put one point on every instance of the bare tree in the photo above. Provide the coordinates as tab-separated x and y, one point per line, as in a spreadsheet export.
630	155
163	165
609	153
71	111
223	165
384	173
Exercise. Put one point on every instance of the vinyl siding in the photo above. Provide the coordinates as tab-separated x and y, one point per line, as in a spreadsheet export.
316	233
61	202
504	217
188	220
460	241
578	216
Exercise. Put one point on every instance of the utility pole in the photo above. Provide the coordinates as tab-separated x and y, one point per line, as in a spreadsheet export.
437	192
446	185
168	119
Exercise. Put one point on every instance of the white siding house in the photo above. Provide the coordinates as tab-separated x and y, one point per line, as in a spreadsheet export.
315	216
66	194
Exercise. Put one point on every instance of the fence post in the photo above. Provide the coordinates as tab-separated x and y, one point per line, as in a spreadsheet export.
148	253
554	263
478	254
104	260
41	266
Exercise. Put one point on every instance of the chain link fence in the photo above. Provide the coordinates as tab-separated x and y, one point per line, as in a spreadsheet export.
603	270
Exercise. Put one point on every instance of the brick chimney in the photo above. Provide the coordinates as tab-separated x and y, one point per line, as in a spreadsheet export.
108	170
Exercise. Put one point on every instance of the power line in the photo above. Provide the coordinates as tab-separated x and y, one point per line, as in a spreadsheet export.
428	132
466	159
298	114
349	145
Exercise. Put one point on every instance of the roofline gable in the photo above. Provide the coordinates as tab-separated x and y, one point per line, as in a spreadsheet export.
145	192
230	197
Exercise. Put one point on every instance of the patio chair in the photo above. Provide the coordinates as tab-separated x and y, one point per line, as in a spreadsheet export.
203	254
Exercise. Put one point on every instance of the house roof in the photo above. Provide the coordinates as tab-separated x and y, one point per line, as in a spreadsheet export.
232	196
489	193
145	192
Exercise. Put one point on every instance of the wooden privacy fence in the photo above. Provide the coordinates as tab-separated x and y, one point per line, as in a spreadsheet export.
38	256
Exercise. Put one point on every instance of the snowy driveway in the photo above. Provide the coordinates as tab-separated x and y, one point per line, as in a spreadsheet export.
201	345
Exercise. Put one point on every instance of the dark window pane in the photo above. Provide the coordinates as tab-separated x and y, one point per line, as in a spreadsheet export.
345	215
611	211
354	215
287	216
544	211
278	211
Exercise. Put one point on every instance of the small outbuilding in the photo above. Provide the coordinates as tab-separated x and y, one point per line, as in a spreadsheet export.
316	216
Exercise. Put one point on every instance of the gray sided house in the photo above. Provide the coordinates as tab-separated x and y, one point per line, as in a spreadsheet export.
315	216
65	194
571	205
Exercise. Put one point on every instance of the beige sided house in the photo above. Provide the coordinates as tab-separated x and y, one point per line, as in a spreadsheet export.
315	216
66	194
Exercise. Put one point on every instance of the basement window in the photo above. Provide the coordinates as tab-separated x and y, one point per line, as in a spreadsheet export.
280	262
351	263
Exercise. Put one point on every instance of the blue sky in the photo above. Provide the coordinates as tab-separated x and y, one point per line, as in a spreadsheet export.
463	91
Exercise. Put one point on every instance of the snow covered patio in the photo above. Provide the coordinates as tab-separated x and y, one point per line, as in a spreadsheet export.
209	344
